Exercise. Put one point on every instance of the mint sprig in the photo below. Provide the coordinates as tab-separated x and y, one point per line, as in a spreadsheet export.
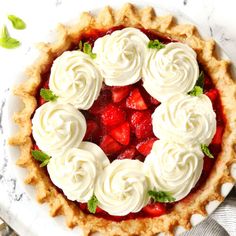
160	196
6	41
87	48
17	22
198	88
155	44
41	156
48	95
206	150
92	204
196	91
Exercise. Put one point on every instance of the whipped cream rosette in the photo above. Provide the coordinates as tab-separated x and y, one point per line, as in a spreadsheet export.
121	55
58	127
75	171
173	69
174	168
75	79
185	119
122	187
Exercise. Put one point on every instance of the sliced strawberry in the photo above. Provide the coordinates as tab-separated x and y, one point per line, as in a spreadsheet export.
109	145
119	93
145	147
217	139
129	153
100	103
154	101
121	133
135	101
155	209
92	128
142	124
137	117
212	94
112	115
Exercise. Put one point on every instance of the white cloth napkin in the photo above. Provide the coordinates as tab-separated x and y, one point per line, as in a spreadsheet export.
221	223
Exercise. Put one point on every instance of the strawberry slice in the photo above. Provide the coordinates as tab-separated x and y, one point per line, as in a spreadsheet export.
109	145
92	128
155	209
119	93
121	133
145	147
135	101
129	153
212	94
142	124
154	101
217	139
112	115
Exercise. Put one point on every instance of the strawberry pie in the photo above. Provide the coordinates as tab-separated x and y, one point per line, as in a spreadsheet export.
129	123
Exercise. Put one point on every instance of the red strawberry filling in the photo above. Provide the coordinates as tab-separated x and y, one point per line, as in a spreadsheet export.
120	123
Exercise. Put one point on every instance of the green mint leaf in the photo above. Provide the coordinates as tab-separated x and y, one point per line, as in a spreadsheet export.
17	22
92	204
6	41
9	43
88	50
160	196
155	44
206	150
196	91
44	163
48	95
200	80
41	156
198	88
5	33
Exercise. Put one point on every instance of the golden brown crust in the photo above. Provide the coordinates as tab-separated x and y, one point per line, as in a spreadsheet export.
218	70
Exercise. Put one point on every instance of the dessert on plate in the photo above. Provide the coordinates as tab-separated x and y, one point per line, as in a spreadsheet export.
128	126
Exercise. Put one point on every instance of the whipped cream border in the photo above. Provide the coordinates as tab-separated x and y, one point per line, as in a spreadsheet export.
154	49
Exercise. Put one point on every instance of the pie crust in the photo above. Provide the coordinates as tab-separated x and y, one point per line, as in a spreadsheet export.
218	70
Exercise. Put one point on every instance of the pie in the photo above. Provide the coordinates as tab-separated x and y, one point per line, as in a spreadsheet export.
133	118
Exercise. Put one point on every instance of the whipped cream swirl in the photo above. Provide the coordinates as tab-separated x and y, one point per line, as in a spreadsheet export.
58	127
75	79
174	168
185	119
170	70
121	55
122	187
75	171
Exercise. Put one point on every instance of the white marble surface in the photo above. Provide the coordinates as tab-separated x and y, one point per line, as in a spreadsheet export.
215	18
